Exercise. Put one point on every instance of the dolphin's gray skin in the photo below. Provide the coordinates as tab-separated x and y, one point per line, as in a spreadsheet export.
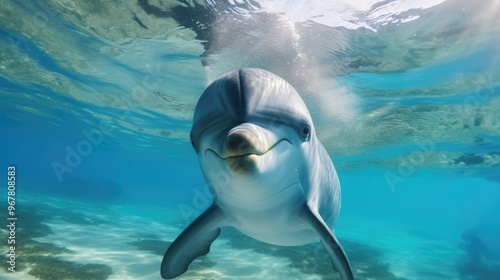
270	176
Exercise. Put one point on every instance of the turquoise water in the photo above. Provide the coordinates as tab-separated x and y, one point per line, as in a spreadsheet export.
97	101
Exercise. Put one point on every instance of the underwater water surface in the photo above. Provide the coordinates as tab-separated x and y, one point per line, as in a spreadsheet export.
97	99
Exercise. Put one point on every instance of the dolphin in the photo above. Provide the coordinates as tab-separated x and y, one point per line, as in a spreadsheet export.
269	175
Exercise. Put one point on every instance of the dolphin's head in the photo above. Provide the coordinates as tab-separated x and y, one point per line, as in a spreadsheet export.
250	128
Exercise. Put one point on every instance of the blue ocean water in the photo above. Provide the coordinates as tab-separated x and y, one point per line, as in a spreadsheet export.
97	102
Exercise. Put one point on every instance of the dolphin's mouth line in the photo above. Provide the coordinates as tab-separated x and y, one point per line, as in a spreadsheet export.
248	154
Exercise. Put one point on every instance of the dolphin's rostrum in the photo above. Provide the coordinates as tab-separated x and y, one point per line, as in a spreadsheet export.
252	126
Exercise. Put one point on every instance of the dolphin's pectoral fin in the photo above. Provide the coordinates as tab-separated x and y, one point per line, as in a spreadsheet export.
193	242
330	243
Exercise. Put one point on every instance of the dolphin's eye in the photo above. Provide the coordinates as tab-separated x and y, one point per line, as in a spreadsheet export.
306	130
